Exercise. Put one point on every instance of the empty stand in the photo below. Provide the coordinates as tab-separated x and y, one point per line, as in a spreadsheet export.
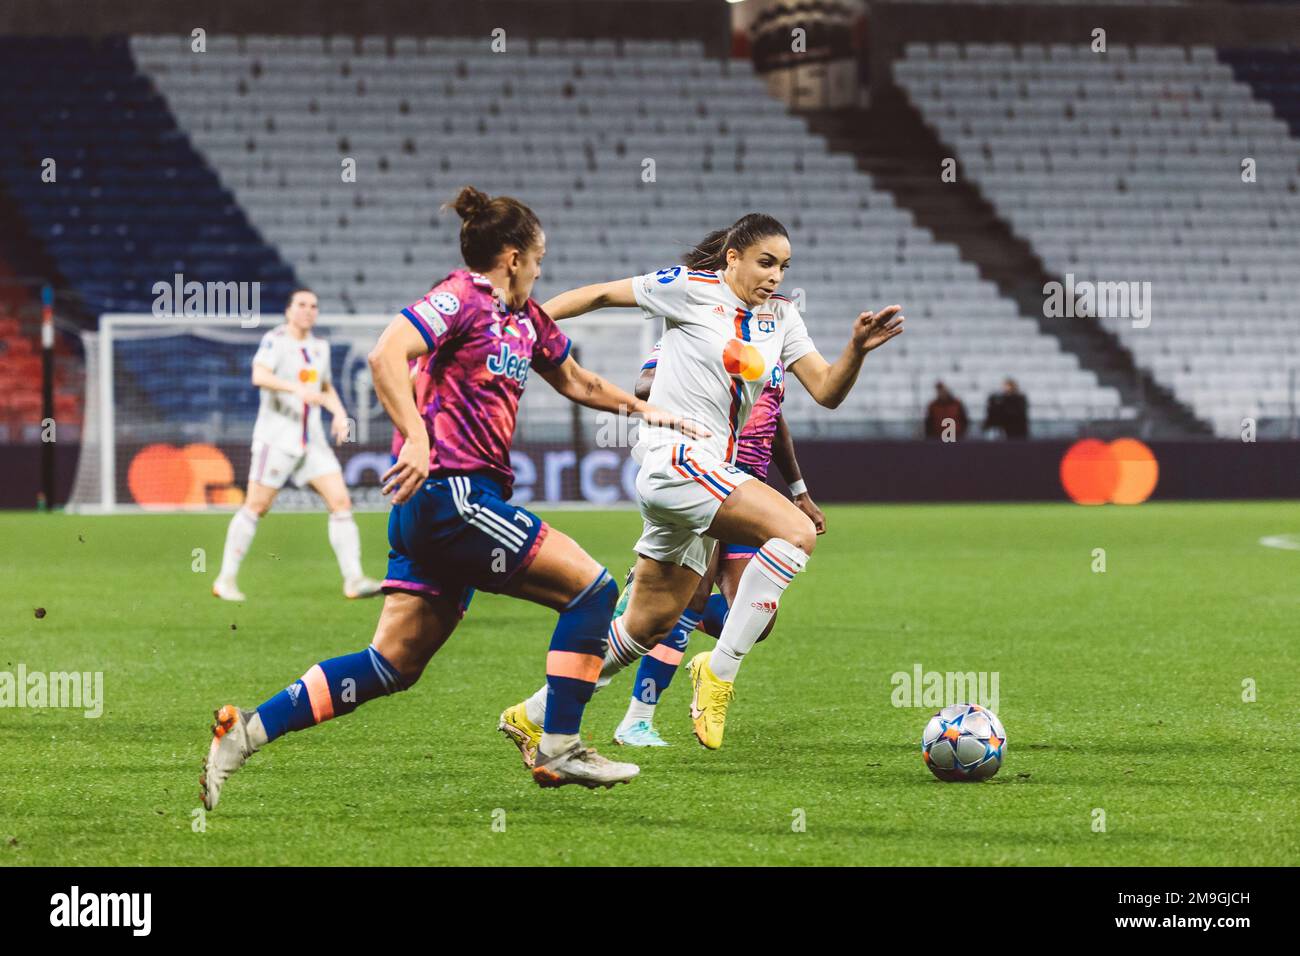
93	159
1127	167
569	126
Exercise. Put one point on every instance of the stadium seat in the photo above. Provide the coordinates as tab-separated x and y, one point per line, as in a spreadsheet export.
1130	169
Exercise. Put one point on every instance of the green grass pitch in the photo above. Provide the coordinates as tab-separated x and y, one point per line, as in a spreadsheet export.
1122	695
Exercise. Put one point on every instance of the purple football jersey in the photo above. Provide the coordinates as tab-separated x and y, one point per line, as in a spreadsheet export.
469	389
754	443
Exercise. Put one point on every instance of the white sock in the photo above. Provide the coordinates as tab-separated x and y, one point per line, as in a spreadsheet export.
620	650
256	731
345	539
757	597
552	744
535	706
239	536
638	710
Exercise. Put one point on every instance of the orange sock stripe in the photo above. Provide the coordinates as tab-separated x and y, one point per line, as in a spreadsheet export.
318	692
584	667
669	655
777	561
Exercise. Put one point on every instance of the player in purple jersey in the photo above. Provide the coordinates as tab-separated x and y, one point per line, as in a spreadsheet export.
451	529
765	437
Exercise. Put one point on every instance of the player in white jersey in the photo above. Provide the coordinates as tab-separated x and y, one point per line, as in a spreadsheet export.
726	328
292	368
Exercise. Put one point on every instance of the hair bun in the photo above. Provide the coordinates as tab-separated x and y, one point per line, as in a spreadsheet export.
469	202
489	224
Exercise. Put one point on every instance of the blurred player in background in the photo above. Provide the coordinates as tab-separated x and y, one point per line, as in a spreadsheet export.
292	368
726	329
765	438
451	529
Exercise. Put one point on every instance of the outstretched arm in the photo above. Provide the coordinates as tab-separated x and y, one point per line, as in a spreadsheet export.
829	383
585	387
602	295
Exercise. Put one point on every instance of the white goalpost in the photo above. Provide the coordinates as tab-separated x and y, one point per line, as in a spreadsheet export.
170	408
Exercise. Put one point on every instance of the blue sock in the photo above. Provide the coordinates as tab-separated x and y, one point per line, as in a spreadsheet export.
330	689
577	653
715	615
656	670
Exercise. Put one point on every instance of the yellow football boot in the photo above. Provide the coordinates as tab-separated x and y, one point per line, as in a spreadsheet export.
709	701
521	732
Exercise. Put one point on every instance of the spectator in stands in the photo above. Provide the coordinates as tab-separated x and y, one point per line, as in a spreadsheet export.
946	406
1008	411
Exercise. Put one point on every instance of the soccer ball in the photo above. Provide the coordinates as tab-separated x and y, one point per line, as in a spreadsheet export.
964	742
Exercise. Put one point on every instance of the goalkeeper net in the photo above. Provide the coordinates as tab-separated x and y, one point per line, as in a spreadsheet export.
170	409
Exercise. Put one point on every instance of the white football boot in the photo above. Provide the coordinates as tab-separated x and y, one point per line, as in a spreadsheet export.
232	745
361	588
226	590
580	765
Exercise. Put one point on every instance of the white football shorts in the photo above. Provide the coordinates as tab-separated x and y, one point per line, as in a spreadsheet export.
680	490
273	466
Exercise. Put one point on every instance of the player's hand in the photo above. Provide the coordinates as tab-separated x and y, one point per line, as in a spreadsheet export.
339	429
307	395
873	329
409	471
657	416
805	504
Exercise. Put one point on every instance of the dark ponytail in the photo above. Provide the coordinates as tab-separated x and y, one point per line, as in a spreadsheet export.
489	225
711	251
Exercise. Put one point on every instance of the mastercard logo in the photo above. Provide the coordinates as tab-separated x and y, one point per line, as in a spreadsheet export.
1121	472
307	375
198	475
739	358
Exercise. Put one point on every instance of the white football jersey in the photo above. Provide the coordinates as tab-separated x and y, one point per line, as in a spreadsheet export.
717	353
284	421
